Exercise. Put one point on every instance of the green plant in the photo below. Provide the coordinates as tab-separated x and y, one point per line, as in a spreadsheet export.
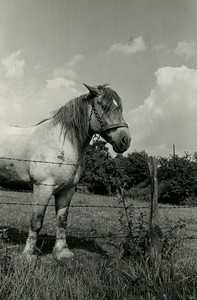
177	178
161	279
102	173
172	239
135	229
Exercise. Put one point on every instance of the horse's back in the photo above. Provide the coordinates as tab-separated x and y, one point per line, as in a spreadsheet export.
13	173
18	148
13	140
36	154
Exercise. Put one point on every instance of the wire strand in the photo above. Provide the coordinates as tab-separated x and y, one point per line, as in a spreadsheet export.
40	161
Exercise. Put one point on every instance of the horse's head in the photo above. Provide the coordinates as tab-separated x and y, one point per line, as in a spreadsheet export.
105	117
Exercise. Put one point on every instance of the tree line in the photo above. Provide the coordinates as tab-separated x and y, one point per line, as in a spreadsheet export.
104	174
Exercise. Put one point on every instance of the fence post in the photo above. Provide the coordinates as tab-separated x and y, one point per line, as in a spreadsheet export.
155	232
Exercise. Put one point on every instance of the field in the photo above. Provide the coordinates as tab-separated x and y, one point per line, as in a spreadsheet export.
94	235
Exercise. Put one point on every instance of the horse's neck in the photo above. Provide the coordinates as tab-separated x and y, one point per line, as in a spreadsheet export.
65	142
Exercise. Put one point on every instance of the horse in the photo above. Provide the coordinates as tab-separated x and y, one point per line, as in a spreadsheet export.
48	157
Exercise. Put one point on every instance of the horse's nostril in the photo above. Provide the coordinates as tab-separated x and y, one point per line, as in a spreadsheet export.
124	140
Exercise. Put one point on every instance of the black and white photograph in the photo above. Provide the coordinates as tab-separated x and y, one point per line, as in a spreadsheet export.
98	149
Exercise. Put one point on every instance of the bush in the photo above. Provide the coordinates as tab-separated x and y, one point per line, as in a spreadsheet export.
177	178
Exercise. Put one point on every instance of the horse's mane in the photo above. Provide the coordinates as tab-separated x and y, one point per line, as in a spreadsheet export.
73	116
73	119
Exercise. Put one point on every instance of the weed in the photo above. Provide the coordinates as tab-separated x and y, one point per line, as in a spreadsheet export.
155	279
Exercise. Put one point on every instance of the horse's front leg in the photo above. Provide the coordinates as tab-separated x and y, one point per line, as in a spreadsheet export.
41	197
62	203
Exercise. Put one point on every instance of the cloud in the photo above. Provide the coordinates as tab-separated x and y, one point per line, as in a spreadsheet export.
59	82
160	47
64	72
186	49
68	71
137	45
63	77
24	103
75	60
168	116
13	65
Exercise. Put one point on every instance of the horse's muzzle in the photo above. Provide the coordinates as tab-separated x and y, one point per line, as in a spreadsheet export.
123	144
119	138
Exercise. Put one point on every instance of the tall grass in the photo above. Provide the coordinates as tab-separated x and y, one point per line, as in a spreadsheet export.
90	277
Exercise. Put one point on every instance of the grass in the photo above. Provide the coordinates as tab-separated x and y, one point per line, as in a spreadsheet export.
96	271
90	278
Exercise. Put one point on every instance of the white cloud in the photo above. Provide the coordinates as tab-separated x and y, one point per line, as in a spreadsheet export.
160	47
75	60
13	65
64	72
59	82
27	105
168	116
24	103
137	45
63	77
68	71
186	49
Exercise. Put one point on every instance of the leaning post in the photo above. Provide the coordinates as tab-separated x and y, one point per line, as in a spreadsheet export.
155	232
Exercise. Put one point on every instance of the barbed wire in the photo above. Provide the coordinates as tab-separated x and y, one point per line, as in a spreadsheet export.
40	161
90	206
47	237
72	205
93	235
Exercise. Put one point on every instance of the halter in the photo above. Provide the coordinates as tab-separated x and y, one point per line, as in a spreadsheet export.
104	125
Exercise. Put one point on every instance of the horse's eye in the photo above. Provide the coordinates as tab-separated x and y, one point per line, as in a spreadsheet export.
114	101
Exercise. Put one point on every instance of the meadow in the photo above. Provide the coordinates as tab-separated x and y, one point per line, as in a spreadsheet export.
94	235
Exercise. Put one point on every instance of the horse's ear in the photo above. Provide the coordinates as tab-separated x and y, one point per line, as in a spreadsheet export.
93	90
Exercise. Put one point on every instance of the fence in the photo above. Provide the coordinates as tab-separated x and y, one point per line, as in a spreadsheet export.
100	213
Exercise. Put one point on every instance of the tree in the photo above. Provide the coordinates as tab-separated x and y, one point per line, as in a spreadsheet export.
177	178
120	175
104	174
100	169
137	167
195	156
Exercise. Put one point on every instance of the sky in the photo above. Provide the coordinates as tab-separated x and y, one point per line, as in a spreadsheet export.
145	49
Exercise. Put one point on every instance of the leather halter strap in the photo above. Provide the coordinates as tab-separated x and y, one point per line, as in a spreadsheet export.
104	126
117	125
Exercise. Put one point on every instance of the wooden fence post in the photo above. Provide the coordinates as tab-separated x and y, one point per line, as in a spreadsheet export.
155	232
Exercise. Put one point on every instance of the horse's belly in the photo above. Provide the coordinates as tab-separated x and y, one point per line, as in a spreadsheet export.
14	176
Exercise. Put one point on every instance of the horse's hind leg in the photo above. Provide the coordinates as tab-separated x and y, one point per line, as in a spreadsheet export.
41	197
62	203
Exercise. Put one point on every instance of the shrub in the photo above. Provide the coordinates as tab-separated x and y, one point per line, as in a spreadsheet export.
177	178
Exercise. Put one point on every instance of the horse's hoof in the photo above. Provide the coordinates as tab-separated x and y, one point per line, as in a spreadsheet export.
64	254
